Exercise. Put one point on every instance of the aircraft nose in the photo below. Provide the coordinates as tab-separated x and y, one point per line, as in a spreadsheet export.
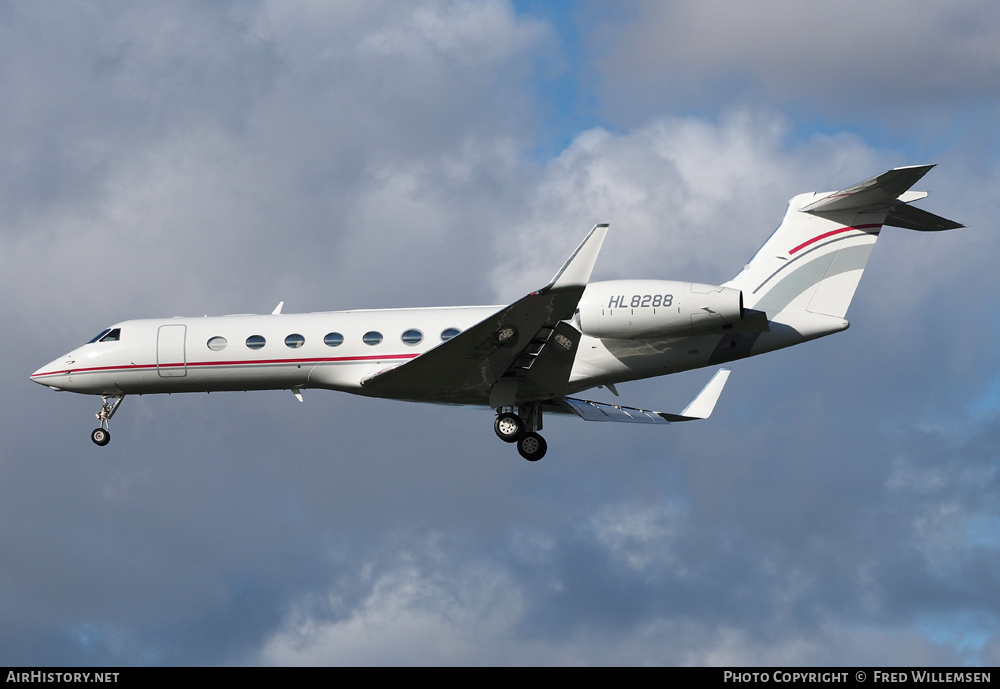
50	374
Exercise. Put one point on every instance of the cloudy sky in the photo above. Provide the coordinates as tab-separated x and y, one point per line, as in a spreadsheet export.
842	506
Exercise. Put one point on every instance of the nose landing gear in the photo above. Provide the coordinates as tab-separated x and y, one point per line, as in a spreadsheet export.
101	435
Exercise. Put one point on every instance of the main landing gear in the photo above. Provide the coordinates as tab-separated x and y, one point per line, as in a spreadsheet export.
101	435
522	428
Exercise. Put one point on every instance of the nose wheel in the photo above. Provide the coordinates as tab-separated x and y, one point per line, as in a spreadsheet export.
101	435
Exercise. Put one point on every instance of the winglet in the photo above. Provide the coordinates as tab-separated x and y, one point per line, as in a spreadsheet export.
703	404
578	267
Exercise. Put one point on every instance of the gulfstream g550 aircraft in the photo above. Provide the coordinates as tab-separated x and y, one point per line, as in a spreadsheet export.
525	359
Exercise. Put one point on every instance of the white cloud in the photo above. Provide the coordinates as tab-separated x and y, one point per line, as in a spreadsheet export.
687	198
421	607
837	58
476	614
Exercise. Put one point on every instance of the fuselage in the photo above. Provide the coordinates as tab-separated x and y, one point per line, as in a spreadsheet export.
333	350
337	350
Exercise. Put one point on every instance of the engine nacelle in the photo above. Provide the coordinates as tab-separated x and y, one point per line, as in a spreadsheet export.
639	309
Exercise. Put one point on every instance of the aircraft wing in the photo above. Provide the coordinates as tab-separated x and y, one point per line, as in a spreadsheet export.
522	352
701	407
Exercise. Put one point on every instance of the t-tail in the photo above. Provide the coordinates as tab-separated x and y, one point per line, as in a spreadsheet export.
805	275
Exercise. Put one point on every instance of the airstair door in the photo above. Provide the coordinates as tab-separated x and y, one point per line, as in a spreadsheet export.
170	361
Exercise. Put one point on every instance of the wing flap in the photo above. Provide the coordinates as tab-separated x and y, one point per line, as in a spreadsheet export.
599	411
701	407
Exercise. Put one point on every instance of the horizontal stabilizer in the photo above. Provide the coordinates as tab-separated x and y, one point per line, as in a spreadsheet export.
879	191
701	407
910	218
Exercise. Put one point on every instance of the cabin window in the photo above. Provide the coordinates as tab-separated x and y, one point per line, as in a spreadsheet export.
294	341
333	340
449	333
217	344
372	337
255	342
412	336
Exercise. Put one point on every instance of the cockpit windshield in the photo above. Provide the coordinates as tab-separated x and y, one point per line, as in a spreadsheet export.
107	335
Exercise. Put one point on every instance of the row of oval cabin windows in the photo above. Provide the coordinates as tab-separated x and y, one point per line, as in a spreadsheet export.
294	341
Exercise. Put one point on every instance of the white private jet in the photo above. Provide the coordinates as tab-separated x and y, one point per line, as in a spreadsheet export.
526	358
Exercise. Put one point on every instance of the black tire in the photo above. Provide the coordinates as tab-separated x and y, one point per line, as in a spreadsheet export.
532	447
509	427
100	436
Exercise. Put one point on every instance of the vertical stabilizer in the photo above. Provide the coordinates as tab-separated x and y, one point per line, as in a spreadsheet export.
813	262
